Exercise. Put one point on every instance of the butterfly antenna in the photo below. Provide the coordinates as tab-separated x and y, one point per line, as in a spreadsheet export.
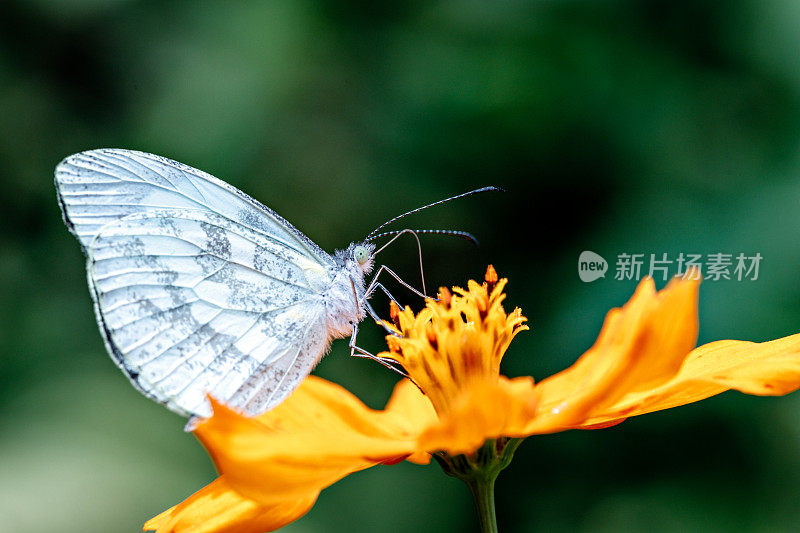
456	233
415	233
398	217
419	249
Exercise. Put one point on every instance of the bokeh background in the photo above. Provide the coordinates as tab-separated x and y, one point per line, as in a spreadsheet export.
654	126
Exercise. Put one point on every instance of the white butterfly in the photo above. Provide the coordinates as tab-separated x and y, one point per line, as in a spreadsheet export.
198	288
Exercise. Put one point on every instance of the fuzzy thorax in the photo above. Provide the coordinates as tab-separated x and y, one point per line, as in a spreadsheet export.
343	307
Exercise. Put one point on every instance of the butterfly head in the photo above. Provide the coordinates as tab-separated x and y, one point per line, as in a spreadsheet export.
363	256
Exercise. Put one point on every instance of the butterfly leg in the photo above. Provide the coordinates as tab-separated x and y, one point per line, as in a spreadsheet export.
387	293
378	320
419	249
355	351
374	284
370	311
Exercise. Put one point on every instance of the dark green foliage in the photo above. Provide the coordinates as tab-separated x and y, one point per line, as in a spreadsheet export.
617	127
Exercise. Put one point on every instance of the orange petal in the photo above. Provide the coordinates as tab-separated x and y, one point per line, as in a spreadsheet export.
640	346
408	402
317	436
766	369
486	410
217	508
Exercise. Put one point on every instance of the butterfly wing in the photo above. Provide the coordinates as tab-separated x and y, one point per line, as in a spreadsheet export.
100	186
191	303
198	288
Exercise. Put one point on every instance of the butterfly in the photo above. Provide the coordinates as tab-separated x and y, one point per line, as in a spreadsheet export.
199	289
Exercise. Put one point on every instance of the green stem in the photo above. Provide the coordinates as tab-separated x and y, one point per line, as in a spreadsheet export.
479	471
483	493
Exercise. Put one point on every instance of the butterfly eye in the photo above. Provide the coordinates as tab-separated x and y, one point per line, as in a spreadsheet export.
361	254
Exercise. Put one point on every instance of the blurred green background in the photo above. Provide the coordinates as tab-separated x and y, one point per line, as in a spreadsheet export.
616	126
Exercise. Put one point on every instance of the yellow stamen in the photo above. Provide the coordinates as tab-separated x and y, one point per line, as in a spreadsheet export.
456	342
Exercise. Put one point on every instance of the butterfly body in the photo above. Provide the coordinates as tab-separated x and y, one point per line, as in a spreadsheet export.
340	292
199	289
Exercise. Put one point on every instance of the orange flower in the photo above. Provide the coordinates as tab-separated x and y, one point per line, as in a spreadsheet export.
274	466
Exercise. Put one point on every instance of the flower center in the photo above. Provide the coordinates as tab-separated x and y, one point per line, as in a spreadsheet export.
457	342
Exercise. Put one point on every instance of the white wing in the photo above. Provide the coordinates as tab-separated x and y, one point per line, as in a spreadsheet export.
198	287
100	186
191	303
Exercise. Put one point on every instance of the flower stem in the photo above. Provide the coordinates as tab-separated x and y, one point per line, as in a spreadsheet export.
479	471
483	493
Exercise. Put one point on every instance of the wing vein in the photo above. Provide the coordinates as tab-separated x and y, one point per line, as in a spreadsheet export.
171	346
125	303
234	341
277	388
217	357
161	312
